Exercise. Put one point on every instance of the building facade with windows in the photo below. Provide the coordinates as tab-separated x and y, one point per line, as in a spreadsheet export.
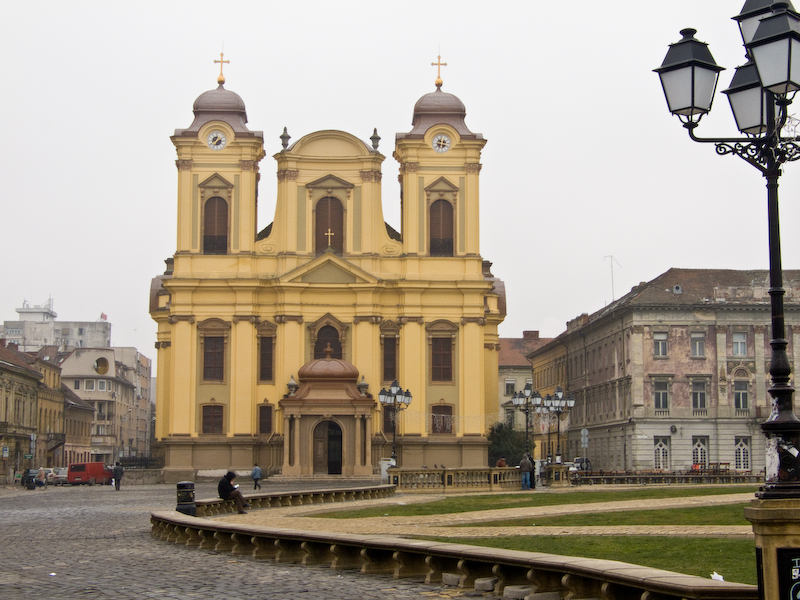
674	375
121	415
37	327
19	412
273	345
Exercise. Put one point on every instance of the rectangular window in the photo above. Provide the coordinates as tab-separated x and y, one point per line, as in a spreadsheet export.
389	358
740	344
740	395
88	385
661	395
76	384
510	417
659	344
388	420
442	419
510	387
698	345
213	358
212	418
265	359
441	359
265	417
699	395
101	385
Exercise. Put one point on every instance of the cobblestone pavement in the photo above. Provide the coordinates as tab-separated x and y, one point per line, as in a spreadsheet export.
303	517
94	543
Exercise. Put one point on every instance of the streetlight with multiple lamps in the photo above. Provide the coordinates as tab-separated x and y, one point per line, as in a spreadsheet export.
760	93
398	400
529	402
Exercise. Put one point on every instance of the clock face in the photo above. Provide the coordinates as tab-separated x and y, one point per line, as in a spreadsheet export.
441	143
216	140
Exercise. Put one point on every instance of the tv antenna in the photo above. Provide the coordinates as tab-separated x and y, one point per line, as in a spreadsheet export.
611	262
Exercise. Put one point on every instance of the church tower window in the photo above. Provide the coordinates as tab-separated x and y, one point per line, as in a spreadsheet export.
441	228
328	335
441	359
215	226
329	224
213	358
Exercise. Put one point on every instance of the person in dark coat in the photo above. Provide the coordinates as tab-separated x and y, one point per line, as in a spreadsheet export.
227	491
117	472
525	468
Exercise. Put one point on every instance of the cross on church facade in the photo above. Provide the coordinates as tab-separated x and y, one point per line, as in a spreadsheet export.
221	78
439	64
329	234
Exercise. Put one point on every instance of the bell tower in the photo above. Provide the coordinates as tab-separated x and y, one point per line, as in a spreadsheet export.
217	164
439	178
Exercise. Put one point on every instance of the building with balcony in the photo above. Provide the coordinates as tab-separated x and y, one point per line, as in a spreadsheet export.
674	375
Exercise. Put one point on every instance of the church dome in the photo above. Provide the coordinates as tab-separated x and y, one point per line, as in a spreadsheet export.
440	103
219	105
219	99
327	369
439	108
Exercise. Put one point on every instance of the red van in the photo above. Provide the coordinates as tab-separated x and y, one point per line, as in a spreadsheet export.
92	472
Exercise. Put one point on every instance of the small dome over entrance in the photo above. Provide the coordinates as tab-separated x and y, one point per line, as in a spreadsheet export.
328	369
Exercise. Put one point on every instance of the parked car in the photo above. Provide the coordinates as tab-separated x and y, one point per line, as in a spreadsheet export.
59	476
91	473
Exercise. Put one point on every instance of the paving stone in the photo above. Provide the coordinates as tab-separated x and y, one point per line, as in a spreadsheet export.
98	544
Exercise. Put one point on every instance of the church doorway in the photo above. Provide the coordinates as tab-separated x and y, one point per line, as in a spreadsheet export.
327	448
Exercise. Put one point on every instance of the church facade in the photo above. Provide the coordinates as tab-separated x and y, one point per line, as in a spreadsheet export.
273	345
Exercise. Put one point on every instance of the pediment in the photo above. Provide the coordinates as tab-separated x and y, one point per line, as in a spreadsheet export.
216	181
329	269
441	185
330	181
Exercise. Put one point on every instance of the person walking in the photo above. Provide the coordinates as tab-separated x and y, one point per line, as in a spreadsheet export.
117	471
256	475
525	468
41	478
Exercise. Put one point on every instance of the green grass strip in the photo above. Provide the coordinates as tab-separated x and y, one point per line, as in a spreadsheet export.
734	559
580	495
727	514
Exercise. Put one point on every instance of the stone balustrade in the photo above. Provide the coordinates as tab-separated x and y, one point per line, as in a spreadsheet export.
510	573
217	506
489	479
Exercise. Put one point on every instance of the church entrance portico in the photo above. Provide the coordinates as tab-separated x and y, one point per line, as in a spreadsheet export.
328	420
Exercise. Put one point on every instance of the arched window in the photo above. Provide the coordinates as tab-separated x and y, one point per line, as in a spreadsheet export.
215	226
329	225
327	335
441	228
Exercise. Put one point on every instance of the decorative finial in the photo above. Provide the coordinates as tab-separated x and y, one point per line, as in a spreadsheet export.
292	385
439	64
375	138
363	386
285	137
221	78
328	351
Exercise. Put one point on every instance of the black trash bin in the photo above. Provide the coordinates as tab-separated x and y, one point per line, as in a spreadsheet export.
186	503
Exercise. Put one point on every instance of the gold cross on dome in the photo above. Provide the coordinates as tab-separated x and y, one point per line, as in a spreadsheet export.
439	64
221	78
329	234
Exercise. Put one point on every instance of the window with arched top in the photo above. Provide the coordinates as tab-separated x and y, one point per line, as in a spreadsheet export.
441	228
329	225
325	336
215	226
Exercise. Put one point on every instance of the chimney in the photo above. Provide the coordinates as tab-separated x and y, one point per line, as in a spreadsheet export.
530	335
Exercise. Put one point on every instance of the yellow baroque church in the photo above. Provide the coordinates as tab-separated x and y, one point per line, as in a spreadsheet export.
272	345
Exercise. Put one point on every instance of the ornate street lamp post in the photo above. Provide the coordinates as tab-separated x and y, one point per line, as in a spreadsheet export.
557	404
760	92
397	400
527	401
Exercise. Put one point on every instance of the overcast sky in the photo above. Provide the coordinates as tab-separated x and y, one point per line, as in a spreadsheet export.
583	161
